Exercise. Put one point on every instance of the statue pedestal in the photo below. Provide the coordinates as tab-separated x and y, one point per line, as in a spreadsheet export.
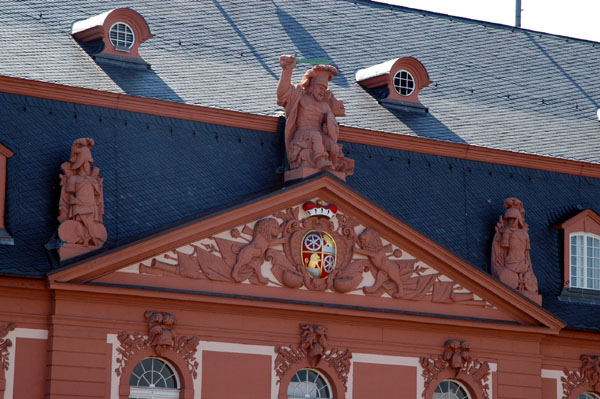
537	298
304	172
71	250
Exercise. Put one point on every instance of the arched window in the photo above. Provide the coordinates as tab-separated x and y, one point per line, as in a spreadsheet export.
449	389
585	261
153	378
588	395
309	383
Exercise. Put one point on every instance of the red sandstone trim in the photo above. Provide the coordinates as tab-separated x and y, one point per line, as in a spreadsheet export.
4	153
331	191
264	123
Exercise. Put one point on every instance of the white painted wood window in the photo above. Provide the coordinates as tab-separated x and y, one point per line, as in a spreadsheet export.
585	261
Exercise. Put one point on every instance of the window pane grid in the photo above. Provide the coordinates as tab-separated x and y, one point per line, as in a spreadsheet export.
585	261
121	36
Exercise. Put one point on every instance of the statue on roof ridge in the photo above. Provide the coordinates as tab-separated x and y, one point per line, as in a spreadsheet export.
511	263
81	204
311	131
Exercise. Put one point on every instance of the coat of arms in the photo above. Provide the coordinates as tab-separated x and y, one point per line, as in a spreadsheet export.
318	253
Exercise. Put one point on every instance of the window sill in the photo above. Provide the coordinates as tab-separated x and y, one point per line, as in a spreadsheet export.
580	295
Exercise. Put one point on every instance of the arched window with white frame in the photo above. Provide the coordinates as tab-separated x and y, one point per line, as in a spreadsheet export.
309	383
154	378
451	389
584	251
588	395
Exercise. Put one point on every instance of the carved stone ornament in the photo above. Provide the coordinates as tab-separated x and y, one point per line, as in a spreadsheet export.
311	131
81	204
511	263
313	348
324	251
5	343
162	338
455	362
587	378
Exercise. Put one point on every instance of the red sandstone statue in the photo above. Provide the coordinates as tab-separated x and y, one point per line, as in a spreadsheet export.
311	131
511	262
81	202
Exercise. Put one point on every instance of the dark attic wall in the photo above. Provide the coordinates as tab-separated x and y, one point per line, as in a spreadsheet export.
457	203
156	170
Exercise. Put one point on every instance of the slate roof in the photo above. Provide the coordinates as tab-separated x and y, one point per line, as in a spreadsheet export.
494	86
159	171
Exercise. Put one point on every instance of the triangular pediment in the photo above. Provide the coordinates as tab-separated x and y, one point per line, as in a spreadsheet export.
291	247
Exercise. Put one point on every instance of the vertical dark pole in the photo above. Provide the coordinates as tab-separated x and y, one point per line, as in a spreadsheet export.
518	13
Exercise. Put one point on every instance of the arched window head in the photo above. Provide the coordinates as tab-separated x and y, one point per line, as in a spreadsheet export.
153	378
449	389
588	395
309	383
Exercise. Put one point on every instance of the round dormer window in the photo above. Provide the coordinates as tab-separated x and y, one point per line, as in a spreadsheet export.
404	83
121	36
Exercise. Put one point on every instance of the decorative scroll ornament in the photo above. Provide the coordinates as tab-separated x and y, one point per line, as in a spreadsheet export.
313	348
320	252
311	130
457	359
588	375
162	338
511	262
5	343
81	203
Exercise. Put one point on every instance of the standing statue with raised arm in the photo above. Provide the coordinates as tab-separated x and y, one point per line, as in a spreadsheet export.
311	131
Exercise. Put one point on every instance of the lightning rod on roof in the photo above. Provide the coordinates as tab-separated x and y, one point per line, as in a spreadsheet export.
518	13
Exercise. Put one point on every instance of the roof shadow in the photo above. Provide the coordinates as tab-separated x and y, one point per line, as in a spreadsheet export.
560	68
252	49
138	80
306	44
419	121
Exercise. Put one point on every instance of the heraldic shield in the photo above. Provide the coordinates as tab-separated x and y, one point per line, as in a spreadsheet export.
318	253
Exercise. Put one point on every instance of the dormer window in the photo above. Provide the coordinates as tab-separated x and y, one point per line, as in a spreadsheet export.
585	260
121	36
404	79
115	35
582	252
404	83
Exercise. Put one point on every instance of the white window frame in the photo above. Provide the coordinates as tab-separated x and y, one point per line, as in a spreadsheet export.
583	267
464	388
398	87
319	374
157	393
588	395
116	45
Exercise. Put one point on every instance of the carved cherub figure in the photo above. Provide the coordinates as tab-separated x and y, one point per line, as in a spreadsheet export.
511	262
252	255
311	131
161	332
370	245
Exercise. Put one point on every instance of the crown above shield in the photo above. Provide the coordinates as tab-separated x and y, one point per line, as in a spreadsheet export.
320	209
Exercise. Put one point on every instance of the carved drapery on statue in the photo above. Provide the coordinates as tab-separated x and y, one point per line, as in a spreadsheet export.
325	251
81	204
456	362
162	338
312	348
511	263
311	130
587	378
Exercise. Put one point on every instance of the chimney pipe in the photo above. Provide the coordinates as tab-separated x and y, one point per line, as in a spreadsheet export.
518	13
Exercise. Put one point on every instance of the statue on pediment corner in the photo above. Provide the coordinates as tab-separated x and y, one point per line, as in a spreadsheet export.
511	262
81	204
311	131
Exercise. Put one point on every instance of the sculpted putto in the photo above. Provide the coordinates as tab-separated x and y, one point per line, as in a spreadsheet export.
511	262
311	131
81	202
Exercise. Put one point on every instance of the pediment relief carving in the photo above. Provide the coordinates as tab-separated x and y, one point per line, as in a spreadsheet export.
310	246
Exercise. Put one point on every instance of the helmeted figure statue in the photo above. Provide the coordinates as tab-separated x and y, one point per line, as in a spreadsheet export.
511	263
311	131
81	203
